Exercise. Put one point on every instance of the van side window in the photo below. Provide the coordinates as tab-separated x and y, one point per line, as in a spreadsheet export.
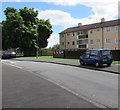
106	52
87	52
94	52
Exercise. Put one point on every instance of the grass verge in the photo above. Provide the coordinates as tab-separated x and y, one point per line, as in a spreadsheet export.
116	62
51	58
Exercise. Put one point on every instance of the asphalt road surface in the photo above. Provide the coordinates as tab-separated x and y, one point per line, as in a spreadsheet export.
37	85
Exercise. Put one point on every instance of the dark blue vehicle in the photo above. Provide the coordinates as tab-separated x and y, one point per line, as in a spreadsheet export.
97	57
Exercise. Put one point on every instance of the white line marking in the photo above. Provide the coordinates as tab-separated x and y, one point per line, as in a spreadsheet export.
13	65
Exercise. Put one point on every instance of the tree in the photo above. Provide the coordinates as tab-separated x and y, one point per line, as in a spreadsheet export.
10	28
22	29
56	47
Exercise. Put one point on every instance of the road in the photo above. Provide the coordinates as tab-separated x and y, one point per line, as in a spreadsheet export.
94	88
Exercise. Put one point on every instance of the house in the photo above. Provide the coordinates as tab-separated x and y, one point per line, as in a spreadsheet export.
104	34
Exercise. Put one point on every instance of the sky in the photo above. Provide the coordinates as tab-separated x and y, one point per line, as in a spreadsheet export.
66	13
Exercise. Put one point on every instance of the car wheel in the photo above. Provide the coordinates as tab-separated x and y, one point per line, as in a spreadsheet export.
109	64
97	64
81	62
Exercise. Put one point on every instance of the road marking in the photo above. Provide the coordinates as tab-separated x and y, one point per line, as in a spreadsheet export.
12	62
13	65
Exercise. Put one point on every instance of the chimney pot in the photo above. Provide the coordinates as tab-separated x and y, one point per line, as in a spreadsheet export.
102	20
79	24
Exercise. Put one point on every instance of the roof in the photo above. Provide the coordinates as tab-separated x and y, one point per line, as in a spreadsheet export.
92	26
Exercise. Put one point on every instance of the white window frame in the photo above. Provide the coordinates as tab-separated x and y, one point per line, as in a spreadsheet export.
91	31
73	34
97	40
117	40
92	43
68	34
117	28
107	40
73	42
107	29
62	35
62	43
98	29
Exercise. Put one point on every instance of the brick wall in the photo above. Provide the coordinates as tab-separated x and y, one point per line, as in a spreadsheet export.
76	53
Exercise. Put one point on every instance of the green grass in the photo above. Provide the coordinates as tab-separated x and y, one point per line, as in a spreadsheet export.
51	58
116	62
41	57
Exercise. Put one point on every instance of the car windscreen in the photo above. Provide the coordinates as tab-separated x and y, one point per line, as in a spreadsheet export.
106	52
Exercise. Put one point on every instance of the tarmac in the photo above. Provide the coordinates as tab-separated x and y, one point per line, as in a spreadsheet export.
114	68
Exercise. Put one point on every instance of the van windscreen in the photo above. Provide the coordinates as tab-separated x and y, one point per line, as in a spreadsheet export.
106	52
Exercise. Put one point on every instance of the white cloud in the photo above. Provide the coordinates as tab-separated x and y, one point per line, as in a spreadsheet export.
58	17
54	39
100	8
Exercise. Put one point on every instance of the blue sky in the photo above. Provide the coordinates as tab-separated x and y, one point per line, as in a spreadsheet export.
45	6
64	14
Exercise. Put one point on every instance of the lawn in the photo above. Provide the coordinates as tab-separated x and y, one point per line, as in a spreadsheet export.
116	62
51	58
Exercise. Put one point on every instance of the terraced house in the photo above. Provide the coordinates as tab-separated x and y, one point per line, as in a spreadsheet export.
104	34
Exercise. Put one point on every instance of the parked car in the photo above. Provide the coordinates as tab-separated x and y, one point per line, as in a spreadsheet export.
7	55
97	57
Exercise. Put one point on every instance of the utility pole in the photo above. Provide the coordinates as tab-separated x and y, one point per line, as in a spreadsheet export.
36	41
37	46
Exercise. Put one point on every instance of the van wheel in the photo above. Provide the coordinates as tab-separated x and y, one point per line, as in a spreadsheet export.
81	62
109	64
97	64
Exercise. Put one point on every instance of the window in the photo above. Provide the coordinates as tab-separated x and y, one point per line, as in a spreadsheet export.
81	32
62	43
117	28
91	31
91	41
62	35
73	43
107	41
117	40
86	41
68	34
79	37
73	34
98	41
106	52
87	52
98	29
94	52
107	29
79	42
68	43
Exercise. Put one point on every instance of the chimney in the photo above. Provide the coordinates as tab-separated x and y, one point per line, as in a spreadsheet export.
79	24
102	20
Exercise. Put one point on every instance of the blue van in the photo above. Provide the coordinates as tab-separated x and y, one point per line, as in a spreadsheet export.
96	57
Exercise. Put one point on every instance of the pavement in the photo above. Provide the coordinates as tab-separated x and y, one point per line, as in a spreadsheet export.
114	68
